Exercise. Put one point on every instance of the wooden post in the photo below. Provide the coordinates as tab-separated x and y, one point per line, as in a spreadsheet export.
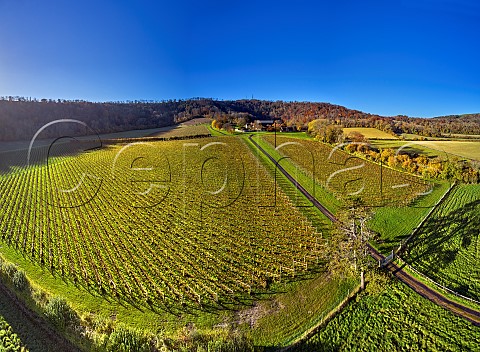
362	280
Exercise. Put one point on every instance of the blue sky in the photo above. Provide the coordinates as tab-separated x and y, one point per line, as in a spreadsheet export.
420	58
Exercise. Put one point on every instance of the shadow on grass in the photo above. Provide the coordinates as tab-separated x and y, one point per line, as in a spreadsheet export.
432	245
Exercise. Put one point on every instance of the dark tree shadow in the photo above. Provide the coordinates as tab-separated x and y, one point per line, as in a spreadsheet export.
432	245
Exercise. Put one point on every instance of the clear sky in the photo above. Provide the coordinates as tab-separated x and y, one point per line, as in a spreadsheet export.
420	58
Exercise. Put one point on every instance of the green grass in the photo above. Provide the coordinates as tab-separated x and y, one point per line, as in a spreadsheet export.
437	148
397	319
394	224
447	247
408	147
289	315
464	149
369	132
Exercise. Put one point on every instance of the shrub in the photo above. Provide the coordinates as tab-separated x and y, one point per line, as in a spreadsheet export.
20	280
60	313
126	340
9	269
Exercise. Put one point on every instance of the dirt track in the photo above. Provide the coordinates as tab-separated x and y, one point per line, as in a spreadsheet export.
465	312
50	339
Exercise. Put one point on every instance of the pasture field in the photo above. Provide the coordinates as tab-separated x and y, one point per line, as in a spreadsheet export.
410	147
391	225
447	246
369	132
464	149
443	148
394	319
345	175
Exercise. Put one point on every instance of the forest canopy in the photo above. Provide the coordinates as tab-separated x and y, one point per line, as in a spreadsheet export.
21	117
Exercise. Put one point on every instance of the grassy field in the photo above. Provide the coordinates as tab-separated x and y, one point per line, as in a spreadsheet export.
393	224
369	132
288	315
394	319
465	149
410	147
444	148
447	247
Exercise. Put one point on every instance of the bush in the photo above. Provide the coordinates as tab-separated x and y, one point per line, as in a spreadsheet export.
9	269
60	313
126	340
20	280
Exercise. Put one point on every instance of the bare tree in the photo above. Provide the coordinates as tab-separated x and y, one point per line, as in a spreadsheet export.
349	242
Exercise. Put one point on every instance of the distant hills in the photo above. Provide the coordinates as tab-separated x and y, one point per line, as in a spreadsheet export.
20	118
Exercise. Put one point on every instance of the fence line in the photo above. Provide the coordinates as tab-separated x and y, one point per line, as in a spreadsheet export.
404	242
436	283
396	254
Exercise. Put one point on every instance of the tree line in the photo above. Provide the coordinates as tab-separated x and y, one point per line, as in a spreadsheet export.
21	117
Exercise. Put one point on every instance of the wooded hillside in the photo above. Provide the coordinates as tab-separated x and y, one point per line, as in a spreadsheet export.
21	117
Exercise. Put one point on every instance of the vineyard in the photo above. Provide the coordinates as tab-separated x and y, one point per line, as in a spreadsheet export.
158	223
447	247
345	175
396	319
9	341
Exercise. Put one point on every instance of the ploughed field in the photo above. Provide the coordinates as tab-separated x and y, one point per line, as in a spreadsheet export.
158	223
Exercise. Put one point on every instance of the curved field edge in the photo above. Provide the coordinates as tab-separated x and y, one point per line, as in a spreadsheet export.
394	318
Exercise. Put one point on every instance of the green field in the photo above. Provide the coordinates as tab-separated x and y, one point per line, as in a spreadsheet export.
369	132
411	147
447	247
396	319
391	225
464	149
445	148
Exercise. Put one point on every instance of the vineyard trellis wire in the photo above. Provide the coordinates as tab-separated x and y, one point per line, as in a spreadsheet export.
156	255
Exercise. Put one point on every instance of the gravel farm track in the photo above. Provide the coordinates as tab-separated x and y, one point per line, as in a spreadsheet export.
419	287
